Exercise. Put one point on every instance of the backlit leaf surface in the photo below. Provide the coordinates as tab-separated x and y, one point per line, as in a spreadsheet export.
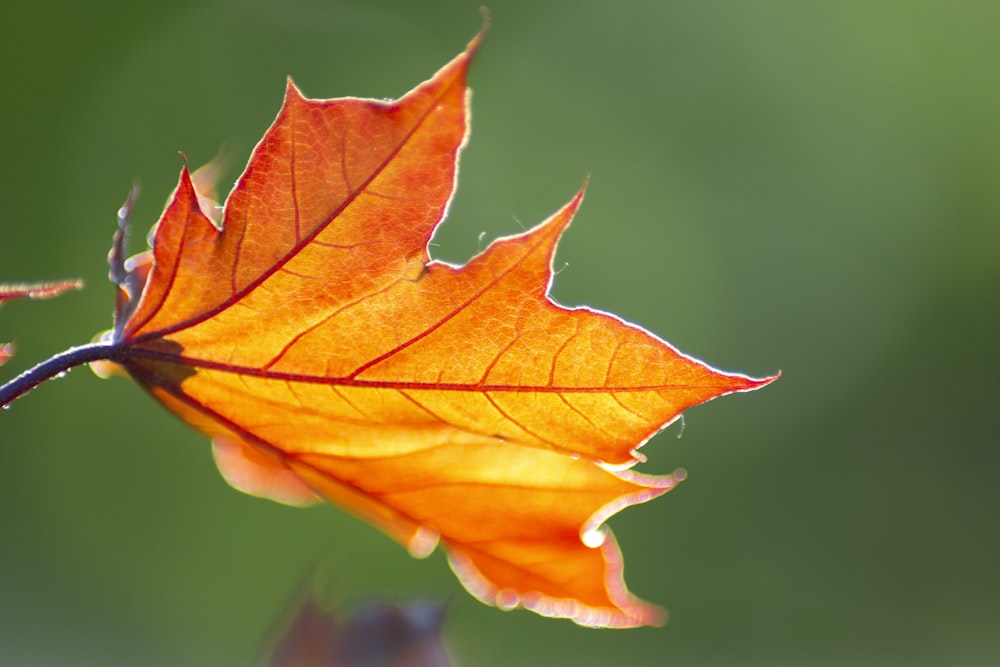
310	335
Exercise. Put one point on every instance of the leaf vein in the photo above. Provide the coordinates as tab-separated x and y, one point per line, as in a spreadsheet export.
517	423
255	283
448	316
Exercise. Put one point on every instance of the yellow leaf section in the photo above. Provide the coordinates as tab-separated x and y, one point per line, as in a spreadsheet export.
256	470
513	518
498	454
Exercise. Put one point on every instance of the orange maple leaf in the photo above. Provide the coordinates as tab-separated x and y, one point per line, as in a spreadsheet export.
310	335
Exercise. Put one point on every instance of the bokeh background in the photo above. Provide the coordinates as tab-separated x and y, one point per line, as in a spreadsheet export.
810	187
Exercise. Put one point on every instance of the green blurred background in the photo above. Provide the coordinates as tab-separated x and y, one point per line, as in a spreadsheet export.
811	187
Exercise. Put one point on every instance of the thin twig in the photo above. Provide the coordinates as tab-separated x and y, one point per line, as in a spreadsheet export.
55	366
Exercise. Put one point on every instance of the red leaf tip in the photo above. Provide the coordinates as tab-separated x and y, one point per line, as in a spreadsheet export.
37	290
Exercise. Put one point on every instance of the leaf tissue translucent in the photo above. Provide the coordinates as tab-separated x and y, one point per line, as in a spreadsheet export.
313	339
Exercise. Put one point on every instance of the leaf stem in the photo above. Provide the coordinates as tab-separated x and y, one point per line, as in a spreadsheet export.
55	366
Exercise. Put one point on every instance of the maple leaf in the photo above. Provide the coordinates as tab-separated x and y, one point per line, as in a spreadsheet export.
10	291
310	335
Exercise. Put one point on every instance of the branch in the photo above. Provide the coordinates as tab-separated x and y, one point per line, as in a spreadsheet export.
56	366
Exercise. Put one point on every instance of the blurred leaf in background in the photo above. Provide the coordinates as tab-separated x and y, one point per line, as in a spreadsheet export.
379	634
775	184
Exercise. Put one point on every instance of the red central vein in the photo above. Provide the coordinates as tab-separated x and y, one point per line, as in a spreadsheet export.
350	199
138	353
